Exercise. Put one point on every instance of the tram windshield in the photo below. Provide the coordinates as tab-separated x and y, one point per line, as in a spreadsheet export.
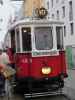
43	38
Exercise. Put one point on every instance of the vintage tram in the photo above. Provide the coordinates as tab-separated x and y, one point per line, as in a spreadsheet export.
38	52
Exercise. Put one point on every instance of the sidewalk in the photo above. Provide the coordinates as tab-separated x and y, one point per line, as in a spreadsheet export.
70	81
70	84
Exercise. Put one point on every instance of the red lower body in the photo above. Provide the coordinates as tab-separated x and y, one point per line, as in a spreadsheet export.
29	72
32	66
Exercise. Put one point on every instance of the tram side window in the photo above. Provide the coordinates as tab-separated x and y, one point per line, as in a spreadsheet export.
13	45
18	40
26	39
59	34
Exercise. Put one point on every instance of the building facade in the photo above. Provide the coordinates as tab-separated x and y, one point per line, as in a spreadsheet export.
29	6
64	10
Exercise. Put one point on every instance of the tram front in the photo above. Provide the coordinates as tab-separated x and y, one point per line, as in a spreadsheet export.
40	55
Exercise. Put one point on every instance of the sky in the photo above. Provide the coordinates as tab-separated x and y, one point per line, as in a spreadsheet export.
7	12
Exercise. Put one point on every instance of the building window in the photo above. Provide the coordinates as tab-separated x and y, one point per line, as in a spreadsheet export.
48	4
52	3
63	11
70	11
57	15
71	28
52	16
62	1
1	20
64	31
57	1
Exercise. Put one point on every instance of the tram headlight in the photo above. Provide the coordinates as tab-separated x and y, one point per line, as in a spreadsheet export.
46	70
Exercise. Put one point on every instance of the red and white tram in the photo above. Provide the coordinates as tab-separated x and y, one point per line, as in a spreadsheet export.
39	55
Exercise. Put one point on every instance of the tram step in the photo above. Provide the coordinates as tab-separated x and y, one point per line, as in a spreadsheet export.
33	95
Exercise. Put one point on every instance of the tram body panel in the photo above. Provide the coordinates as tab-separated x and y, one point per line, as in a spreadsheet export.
22	65
54	62
28	66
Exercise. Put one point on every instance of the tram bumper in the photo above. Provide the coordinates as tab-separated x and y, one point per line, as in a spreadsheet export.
44	87
44	94
33	85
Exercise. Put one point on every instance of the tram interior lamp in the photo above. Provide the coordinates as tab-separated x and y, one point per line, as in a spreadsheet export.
24	31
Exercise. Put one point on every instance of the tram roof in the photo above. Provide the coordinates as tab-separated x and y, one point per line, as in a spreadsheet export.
35	22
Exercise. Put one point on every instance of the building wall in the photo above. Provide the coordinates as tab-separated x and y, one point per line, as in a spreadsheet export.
69	38
29	5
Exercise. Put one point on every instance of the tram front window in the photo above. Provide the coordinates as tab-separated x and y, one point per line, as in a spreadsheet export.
26	39
43	38
59	34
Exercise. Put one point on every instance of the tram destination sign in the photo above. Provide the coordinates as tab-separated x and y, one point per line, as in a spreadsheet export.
44	53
